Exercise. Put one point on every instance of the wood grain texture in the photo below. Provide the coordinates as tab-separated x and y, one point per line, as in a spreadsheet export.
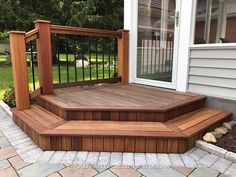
123	56
129	102
20	70
44	56
57	29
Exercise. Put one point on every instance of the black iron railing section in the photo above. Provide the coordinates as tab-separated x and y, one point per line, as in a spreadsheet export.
82	58
31	54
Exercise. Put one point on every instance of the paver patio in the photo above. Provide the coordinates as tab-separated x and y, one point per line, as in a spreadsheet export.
19	156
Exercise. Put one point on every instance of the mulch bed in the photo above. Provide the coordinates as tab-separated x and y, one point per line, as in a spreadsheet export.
228	141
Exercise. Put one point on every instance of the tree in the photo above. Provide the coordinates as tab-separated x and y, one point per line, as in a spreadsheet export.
19	14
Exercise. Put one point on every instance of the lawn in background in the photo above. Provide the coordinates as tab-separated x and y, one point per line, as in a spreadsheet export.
6	79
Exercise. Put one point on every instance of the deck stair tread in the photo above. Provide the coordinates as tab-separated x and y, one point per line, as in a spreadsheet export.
119	97
183	126
130	102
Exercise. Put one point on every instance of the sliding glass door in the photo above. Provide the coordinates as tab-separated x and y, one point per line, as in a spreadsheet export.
156	48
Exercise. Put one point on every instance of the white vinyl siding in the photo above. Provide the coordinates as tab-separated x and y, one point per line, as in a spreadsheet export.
212	71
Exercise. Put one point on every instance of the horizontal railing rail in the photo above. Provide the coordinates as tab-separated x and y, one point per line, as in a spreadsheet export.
57	29
32	35
53	56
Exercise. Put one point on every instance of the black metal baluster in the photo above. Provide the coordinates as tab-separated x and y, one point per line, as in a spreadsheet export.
109	58
96	58
82	52
74	45
32	61
103	58
67	61
90	63
58	60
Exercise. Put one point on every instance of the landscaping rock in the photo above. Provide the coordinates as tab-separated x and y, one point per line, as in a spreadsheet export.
210	138
227	125
222	130
217	135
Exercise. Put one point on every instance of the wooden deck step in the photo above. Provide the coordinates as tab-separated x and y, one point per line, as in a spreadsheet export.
114	102
178	135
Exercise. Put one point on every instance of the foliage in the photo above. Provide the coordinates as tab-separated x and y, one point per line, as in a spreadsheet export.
9	97
19	14
4	35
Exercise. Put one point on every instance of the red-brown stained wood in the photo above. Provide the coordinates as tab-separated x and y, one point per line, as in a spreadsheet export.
66	143
20	70
108	144
132	116
183	146
44	56
115	116
88	115
151	145
124	116
140	145
57	29
87	144
97	115
76	143
56	143
123	57
44	142
119	144
173	145
129	145
98	144
162	145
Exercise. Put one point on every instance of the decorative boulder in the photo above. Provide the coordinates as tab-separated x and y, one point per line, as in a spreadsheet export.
232	123
210	138
221	130
227	125
217	135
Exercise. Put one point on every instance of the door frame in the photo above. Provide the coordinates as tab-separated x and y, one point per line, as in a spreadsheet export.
187	14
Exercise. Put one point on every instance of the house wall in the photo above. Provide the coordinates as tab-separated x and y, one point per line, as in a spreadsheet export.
212	72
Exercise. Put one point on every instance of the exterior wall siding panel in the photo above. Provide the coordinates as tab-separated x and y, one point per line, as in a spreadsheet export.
212	71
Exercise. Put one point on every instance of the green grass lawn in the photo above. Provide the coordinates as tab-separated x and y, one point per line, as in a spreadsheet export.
6	73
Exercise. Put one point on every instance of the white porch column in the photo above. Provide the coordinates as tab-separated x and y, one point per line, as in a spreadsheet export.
208	21
164	22
187	25
222	20
130	23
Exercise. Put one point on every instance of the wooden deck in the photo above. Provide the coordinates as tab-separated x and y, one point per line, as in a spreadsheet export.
115	117
120	102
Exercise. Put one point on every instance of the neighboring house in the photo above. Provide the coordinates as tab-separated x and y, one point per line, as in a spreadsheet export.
163	53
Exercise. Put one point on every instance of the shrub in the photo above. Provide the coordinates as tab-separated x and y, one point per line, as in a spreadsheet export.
4	35
9	97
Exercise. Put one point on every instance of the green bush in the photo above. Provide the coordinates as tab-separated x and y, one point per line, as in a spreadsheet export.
9	97
4	35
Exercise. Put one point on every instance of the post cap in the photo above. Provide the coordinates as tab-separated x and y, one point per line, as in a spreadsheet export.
42	21
16	32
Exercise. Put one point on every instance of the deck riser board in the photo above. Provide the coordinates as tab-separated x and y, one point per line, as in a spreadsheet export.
69	138
121	115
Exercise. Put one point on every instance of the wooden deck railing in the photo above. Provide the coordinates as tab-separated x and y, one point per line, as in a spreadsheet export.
42	35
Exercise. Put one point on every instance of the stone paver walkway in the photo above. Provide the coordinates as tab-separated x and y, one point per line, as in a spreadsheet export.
19	156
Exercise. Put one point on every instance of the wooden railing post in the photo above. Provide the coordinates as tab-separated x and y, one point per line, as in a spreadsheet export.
20	70
123	57
44	56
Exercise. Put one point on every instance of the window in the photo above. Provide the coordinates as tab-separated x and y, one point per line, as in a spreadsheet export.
215	21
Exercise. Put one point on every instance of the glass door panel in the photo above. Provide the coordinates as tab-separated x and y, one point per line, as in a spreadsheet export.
155	50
